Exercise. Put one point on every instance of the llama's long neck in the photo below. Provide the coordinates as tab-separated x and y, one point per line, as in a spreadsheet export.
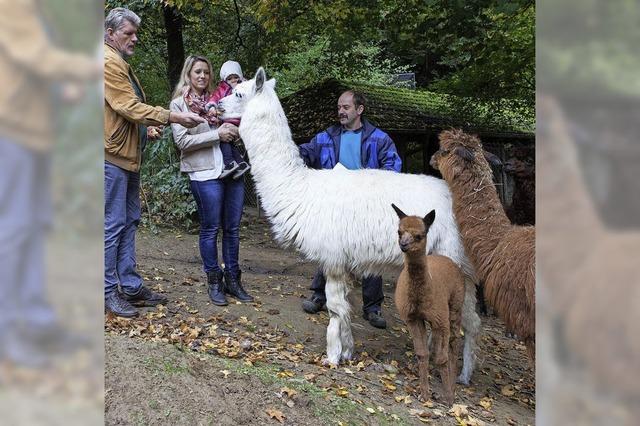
419	283
568	207
276	166
479	214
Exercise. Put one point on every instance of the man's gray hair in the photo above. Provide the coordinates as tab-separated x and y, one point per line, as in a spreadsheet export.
116	18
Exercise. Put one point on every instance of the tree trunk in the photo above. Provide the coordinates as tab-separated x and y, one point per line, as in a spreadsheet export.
175	46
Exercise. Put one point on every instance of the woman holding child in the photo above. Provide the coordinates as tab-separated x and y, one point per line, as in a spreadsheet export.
219	197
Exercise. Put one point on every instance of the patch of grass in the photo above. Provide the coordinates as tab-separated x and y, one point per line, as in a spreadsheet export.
325	405
171	368
138	419
329	407
166	366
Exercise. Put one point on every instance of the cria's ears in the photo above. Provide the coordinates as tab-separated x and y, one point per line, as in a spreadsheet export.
429	218
261	80
399	212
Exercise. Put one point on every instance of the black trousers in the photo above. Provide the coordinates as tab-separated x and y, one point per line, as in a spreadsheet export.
372	295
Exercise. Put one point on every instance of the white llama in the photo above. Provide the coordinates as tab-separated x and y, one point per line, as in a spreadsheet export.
342	219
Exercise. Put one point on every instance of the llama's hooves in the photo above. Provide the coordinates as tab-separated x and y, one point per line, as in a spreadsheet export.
463	380
326	362
347	356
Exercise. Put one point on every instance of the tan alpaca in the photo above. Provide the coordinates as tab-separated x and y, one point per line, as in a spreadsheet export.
430	289
503	254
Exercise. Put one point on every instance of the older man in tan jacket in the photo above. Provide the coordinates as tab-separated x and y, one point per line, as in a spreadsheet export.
126	116
34	72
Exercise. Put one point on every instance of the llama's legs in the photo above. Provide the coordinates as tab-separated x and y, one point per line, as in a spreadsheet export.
471	327
346	336
338	306
418	333
530	343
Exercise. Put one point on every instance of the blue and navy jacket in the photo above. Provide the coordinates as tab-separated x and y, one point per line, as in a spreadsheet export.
377	149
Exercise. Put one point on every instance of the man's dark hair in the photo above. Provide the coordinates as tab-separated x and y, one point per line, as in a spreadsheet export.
358	98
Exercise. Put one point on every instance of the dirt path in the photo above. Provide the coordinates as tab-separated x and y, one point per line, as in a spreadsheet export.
194	363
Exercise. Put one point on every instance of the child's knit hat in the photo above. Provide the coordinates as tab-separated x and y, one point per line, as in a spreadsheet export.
228	68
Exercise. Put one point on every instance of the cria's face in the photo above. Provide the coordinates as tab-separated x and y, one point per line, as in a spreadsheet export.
412	234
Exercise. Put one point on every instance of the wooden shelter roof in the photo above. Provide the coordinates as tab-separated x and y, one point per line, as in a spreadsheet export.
399	110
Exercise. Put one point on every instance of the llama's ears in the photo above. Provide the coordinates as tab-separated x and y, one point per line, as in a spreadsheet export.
399	212
492	159
261	77
429	218
464	153
271	84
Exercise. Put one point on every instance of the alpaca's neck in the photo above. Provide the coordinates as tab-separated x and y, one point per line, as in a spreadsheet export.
419	278
479	214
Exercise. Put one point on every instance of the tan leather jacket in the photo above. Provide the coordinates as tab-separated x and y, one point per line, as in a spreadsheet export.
29	65
123	111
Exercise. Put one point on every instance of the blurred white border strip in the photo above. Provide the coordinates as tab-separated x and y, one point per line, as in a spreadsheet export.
588	218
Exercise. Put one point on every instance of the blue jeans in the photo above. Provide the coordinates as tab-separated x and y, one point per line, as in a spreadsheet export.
372	294
121	219
25	216
230	154
220	203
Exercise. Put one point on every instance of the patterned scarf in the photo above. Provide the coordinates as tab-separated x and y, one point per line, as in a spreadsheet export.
197	103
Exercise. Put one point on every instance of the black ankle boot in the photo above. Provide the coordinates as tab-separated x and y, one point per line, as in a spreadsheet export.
216	288
234	287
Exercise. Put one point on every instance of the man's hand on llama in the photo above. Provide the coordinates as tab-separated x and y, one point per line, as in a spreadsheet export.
228	133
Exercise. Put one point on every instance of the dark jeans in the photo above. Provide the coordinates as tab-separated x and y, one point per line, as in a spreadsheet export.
25	216
220	203
372	295
230	153
121	219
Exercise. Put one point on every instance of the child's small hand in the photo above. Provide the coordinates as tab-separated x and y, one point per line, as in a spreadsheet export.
211	109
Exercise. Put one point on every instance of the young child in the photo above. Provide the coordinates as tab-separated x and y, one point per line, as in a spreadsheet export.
230	76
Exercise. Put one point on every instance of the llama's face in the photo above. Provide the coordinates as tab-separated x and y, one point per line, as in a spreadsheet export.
230	107
245	91
461	152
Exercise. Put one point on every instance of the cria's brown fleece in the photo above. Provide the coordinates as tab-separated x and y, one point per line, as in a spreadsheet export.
503	254
430	289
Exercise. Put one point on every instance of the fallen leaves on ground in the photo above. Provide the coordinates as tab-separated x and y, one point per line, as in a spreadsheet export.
485	403
462	416
276	414
288	391
254	338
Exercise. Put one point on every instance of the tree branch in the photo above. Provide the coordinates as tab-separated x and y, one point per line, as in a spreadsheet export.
238	37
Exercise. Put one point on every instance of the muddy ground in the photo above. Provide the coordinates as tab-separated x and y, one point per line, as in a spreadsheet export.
194	363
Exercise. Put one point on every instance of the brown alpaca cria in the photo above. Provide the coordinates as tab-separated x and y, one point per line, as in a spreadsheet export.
502	254
430	289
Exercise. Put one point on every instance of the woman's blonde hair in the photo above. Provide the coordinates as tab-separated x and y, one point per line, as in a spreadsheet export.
184	75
